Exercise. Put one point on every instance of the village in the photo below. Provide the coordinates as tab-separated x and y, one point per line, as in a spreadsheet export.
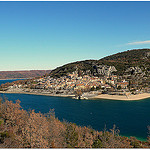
73	84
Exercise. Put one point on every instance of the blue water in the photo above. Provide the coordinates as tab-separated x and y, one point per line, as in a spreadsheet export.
8	80
131	117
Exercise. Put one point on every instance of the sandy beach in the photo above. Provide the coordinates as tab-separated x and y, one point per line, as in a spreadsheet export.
120	97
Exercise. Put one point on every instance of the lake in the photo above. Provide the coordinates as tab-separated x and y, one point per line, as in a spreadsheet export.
8	80
131	117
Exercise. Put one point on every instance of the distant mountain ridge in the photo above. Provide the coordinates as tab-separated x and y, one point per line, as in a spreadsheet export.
121	61
22	74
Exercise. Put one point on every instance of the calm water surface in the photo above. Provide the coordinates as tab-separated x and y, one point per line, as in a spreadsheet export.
131	117
8	80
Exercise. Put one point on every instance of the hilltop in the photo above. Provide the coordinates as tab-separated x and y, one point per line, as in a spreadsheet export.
130	58
121	61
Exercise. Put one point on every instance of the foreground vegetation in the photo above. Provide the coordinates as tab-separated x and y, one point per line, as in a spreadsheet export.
26	129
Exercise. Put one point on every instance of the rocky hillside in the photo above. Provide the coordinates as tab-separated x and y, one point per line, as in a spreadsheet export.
117	64
131	58
22	74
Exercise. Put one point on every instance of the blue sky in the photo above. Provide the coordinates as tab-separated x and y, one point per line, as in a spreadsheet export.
45	35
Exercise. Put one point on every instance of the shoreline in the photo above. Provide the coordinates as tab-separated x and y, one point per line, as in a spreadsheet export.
31	93
99	97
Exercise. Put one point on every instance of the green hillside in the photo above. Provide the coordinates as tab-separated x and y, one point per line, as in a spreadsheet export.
130	58
121	61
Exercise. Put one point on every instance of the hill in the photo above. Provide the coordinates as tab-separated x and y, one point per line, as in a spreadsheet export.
22	74
130	58
121	61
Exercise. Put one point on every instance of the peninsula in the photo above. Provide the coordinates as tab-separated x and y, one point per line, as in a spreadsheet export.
122	76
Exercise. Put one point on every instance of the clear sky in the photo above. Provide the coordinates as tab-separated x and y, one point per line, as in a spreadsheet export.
45	35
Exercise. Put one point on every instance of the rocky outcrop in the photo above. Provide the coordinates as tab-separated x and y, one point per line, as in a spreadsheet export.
104	69
134	70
